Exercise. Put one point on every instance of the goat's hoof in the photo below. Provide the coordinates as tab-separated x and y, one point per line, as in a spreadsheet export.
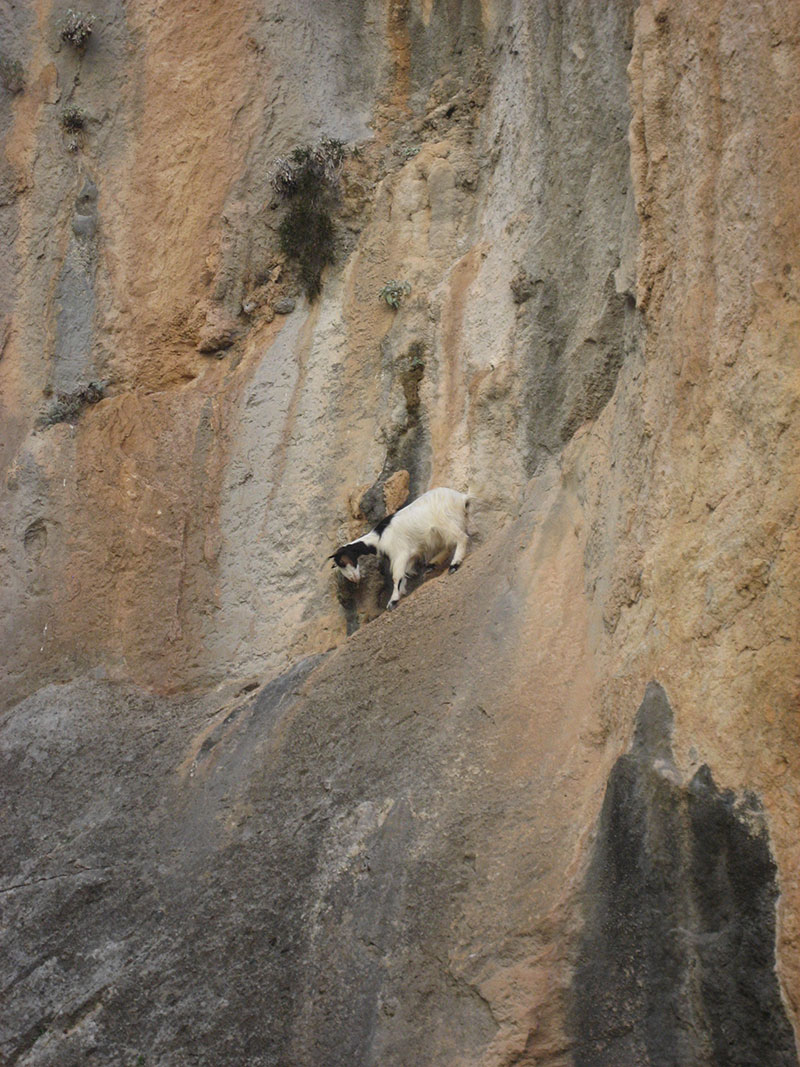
453	568
392	605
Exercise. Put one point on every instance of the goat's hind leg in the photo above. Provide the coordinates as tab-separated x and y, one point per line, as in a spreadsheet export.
436	561
460	552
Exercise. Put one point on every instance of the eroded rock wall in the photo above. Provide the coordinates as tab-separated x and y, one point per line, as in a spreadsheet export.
185	112
191	507
703	573
402	845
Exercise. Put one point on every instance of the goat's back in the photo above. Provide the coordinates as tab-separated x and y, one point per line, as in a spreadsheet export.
429	522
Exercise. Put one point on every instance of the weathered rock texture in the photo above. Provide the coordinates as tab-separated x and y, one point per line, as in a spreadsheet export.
675	963
247	817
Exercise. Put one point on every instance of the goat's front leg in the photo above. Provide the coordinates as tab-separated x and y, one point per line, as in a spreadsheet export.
399	568
460	552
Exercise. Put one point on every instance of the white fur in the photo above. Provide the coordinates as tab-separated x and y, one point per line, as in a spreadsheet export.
428	530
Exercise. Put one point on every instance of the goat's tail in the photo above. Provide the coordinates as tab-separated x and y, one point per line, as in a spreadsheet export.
473	503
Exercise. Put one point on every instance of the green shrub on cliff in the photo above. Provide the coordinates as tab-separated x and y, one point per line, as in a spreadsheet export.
308	178
77	28
393	292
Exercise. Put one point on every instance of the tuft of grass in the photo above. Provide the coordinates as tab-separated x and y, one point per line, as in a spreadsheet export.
308	179
73	119
77	27
393	292
68	407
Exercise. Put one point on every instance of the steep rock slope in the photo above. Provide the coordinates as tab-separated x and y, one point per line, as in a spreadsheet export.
176	527
445	840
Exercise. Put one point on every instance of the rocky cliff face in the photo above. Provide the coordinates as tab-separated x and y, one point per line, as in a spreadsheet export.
249	818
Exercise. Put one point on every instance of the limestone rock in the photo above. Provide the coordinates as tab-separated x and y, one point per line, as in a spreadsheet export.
219	332
249	817
395	491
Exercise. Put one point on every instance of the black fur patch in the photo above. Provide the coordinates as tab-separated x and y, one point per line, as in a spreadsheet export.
348	555
385	522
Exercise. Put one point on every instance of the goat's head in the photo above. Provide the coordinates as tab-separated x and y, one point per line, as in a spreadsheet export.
346	559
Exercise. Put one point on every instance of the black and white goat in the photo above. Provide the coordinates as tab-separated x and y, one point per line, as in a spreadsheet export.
426	530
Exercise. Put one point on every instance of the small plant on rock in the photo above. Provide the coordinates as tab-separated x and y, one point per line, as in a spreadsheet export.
73	119
416	357
522	287
68	407
393	292
308	178
77	28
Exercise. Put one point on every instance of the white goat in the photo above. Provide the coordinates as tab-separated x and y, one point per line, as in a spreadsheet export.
428	530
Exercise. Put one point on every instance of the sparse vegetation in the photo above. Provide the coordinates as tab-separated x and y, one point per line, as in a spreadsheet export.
68	407
12	76
416	356
77	28
393	292
522	287
308	179
73	119
308	167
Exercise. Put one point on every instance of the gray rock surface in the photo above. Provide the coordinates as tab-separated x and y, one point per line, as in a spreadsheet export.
676	962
